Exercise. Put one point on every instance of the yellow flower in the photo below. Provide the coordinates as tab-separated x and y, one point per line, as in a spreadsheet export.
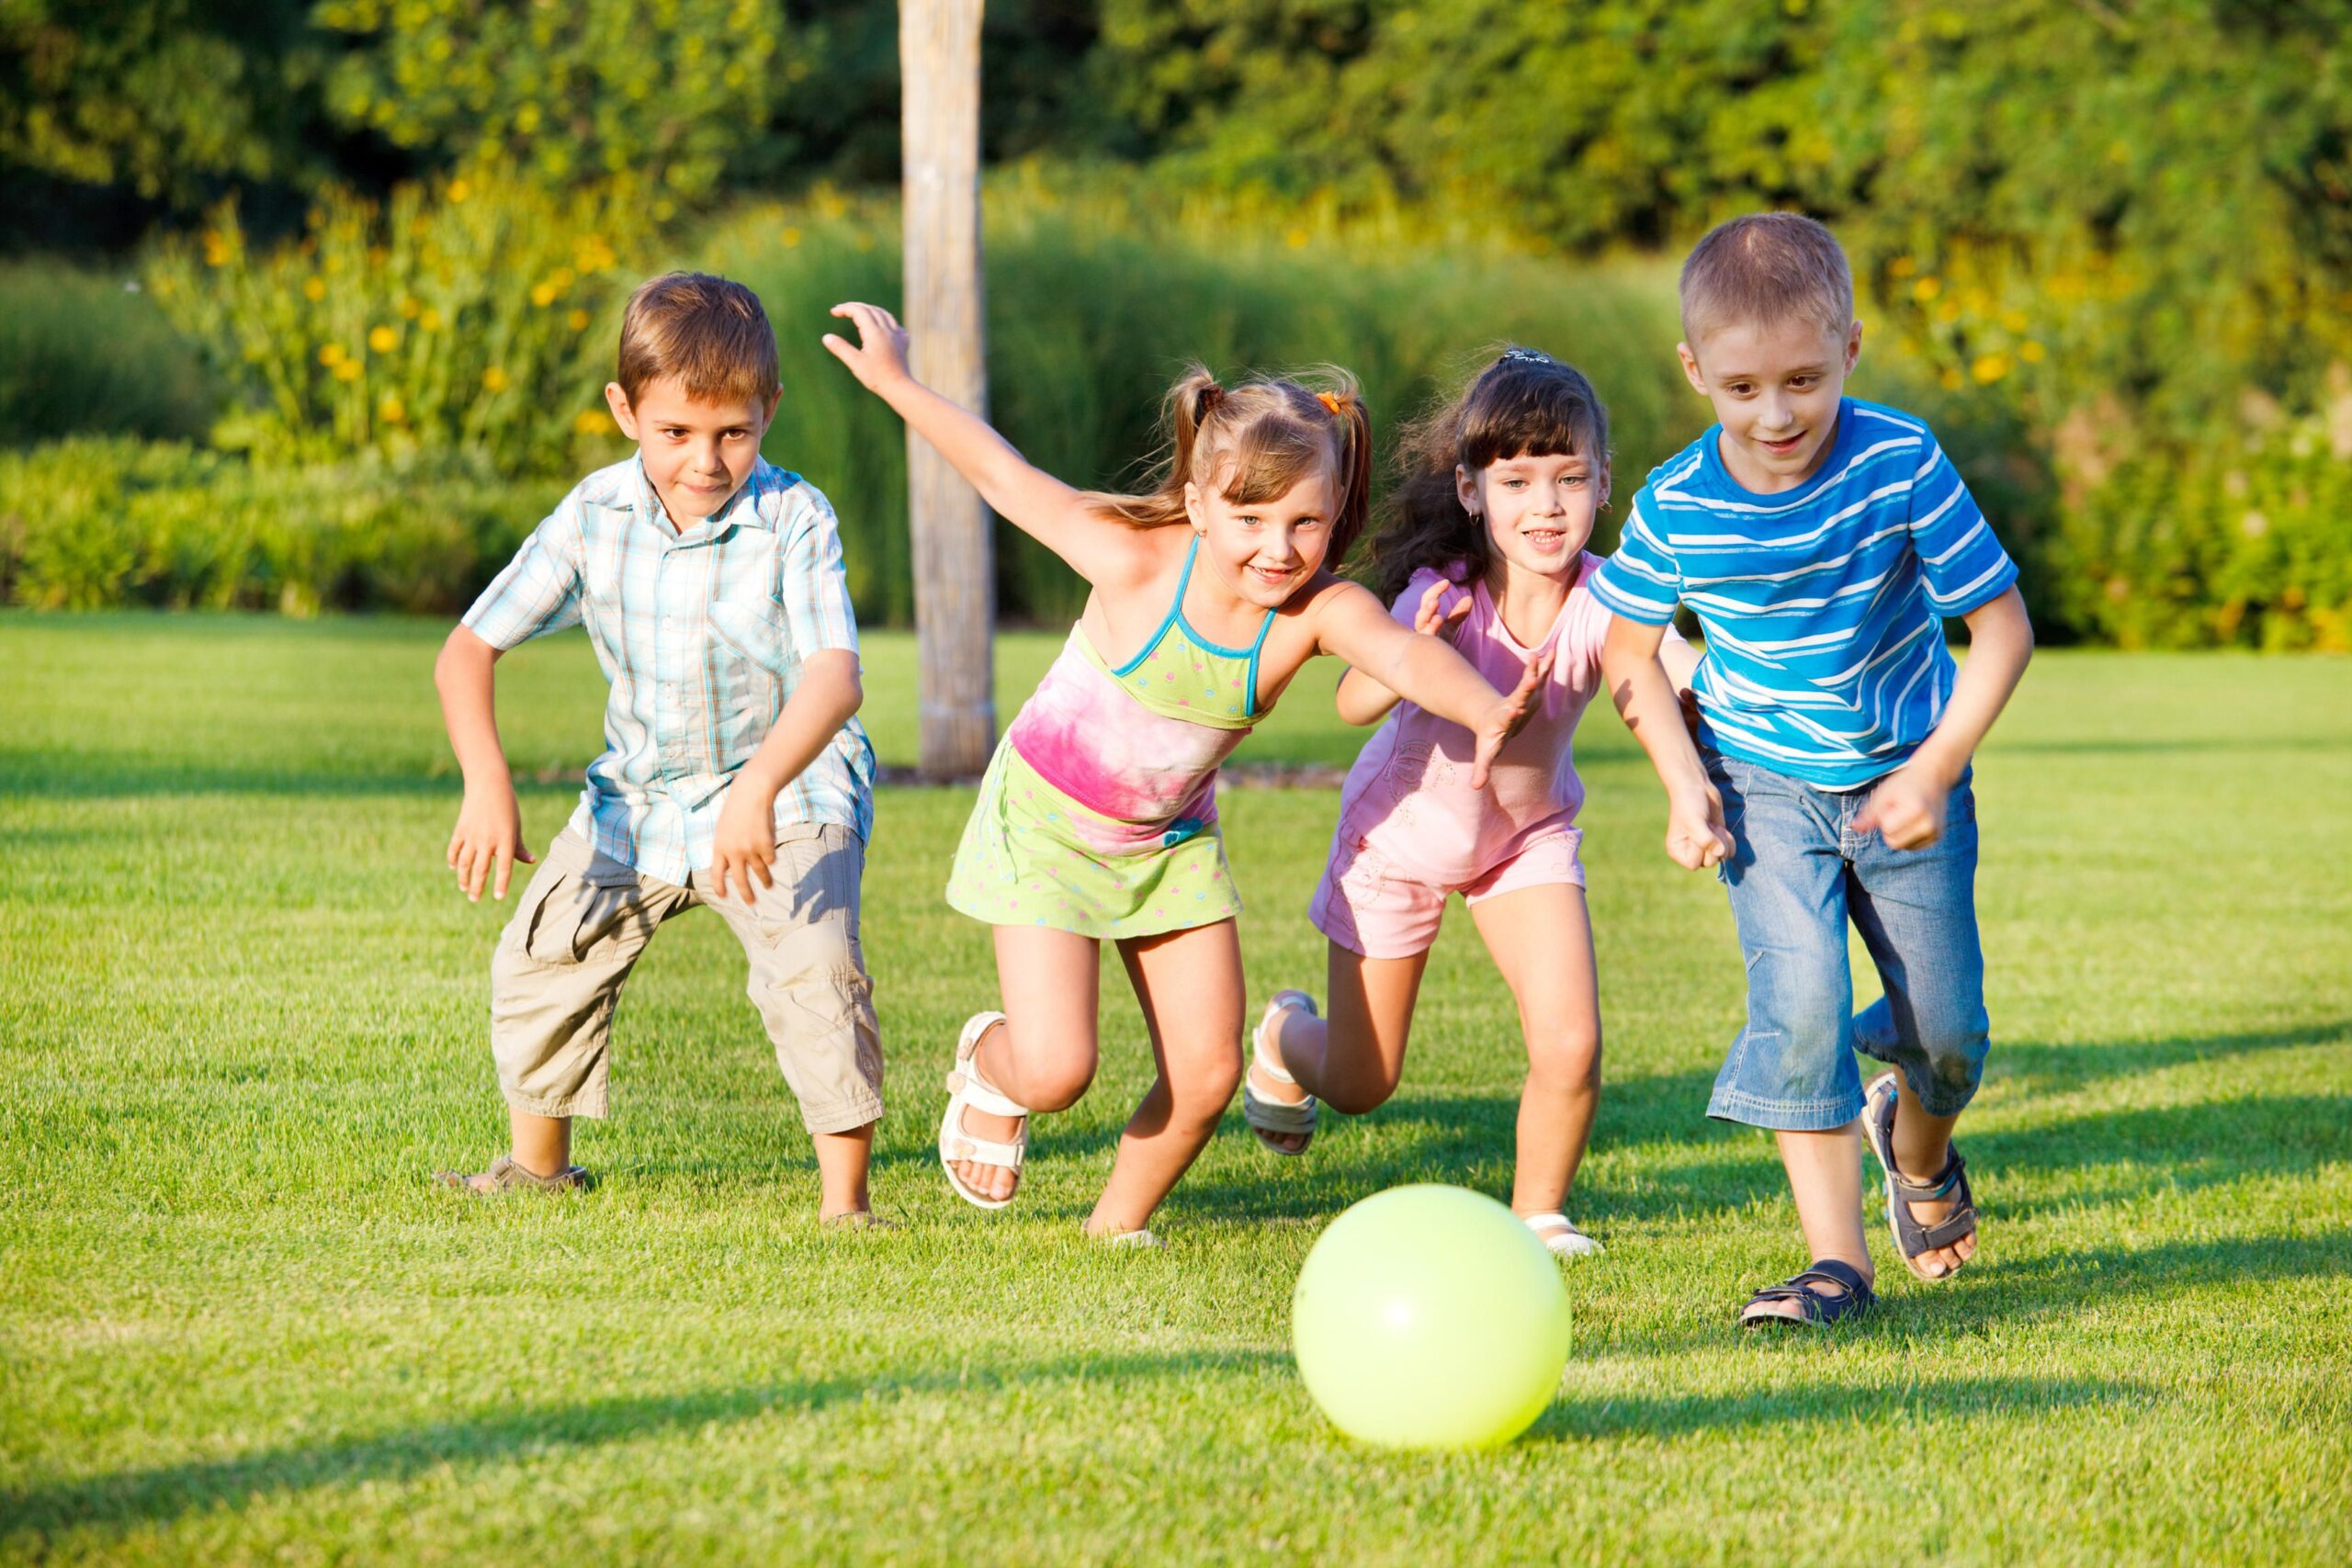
2014	321
1927	288
1989	367
331	354
1296	239
577	320
1901	266
2030	352
543	295
383	340
791	236
591	422
409	307
495	379
1949	310
216	248
1951	380
459	190
314	288
429	321
391	411
347	370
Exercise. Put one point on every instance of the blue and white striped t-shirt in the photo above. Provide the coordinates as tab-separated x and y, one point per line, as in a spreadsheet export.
1823	605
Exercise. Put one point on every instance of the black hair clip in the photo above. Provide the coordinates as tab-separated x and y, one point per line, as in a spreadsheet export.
1526	356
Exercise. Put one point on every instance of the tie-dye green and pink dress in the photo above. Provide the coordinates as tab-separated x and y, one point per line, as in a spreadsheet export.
1098	815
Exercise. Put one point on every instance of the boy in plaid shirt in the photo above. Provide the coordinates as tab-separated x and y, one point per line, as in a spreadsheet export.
735	772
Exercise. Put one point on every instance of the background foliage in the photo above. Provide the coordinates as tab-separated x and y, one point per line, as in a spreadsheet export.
2128	314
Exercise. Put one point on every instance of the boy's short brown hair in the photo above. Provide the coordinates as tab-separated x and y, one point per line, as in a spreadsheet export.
708	333
1763	268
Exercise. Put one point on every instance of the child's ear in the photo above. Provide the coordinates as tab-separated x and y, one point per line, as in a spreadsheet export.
767	414
1853	345
623	415
1690	368
1465	488
1192	507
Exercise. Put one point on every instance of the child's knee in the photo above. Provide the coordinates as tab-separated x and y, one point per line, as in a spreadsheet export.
1564	1058
1361	1096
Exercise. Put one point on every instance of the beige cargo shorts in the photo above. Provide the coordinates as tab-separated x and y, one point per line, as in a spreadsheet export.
585	917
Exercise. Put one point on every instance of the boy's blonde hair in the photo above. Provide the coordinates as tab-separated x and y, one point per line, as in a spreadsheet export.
1252	442
707	333
1763	269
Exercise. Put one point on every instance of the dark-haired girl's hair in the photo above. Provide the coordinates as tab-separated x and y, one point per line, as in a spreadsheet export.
1250	442
1524	404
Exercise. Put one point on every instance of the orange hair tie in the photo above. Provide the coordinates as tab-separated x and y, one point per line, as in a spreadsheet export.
1331	401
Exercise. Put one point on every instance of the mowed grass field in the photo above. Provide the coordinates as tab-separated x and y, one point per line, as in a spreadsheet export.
242	1018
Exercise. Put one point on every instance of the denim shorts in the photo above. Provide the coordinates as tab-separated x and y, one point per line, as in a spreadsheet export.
1797	873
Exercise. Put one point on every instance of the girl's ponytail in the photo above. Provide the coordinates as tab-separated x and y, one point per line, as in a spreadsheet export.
1355	467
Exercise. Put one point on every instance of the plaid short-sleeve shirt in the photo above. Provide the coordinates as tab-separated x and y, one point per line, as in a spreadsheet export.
702	635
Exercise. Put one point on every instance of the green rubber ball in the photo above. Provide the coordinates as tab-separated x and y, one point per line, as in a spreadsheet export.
1431	1317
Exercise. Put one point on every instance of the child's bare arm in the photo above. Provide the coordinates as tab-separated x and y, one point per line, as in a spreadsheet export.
1022	493
489	836
1363	700
1353	624
743	844
1637	683
1907	806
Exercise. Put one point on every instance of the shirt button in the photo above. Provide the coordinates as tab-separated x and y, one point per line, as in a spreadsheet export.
668	625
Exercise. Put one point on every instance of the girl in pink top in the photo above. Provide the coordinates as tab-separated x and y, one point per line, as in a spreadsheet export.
1484	543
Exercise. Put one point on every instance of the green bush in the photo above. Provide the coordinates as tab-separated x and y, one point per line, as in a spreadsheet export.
88	354
1091	314
2244	544
91	524
477	315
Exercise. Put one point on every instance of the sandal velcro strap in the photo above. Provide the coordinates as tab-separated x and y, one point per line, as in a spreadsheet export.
1913	1238
1813	1307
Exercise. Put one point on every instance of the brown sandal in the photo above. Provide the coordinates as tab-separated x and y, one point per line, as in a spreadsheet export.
505	1175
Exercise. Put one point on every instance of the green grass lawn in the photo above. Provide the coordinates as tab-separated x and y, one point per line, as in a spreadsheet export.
243	1016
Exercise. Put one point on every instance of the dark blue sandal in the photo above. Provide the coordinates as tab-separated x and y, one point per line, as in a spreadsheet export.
1913	1239
1816	1311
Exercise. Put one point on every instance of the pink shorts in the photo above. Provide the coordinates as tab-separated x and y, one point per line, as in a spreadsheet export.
1379	908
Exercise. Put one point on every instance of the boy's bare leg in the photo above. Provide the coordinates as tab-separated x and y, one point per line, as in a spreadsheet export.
1922	1144
1351	1058
1189	985
841	1160
1826	1176
542	1144
1541	940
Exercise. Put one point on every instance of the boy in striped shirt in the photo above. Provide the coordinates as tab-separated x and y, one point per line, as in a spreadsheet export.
1823	542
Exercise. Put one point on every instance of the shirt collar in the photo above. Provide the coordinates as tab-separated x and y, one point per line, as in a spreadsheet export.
743	508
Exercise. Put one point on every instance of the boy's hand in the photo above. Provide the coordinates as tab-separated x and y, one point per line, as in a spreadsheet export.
743	845
1695	835
879	359
1428	620
488	841
1906	809
1508	717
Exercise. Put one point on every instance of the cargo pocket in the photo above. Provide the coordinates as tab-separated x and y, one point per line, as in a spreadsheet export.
581	910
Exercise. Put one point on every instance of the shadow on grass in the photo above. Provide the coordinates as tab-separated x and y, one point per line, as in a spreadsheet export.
134	1497
1960	1399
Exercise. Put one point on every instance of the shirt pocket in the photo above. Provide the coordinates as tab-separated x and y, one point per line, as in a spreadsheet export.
752	668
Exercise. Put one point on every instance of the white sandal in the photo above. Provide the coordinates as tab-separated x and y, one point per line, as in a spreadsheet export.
1560	1237
1277	1116
967	1087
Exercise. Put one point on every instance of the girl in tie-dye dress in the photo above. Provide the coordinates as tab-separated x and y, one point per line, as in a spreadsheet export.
1097	819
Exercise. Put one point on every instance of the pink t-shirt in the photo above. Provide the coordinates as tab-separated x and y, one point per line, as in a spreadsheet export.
1409	795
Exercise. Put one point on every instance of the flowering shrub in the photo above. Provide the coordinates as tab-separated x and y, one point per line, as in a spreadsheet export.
480	314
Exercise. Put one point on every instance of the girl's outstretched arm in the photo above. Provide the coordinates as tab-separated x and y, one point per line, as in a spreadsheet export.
1363	700
1022	493
1353	624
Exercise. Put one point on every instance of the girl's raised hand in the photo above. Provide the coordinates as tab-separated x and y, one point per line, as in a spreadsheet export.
1428	620
1509	716
879	356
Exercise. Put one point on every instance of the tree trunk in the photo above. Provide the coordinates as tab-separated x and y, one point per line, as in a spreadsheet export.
939	62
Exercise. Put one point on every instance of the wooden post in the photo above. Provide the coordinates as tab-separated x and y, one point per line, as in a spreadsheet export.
939	64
